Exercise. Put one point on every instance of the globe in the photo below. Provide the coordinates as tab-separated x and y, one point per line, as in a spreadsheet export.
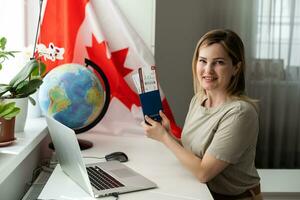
73	95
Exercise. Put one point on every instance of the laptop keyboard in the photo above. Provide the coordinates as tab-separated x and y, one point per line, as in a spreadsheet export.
102	180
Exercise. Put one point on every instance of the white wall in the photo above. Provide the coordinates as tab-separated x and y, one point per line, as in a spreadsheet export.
178	27
12	22
12	27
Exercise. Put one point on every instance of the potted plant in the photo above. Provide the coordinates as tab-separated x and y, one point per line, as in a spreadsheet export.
22	85
8	112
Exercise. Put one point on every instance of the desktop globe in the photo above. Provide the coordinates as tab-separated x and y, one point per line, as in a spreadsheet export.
73	95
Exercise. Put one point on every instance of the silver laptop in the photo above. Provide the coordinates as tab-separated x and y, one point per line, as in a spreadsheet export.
99	179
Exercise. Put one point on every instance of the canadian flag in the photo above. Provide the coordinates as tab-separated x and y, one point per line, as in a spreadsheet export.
72	30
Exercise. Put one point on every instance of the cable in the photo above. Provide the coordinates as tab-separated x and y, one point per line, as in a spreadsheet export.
94	157
46	165
115	194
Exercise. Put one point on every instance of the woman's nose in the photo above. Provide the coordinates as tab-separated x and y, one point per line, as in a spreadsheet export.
208	67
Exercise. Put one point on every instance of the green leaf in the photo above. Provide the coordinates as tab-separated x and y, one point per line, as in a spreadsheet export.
27	88
3	54
1	106
4	88
12	114
9	107
0	66
3	43
12	53
39	71
8	53
21	85
32	101
24	73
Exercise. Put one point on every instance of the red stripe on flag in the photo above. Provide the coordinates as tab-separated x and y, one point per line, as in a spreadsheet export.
176	130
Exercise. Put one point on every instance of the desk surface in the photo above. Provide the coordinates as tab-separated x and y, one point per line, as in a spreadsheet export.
147	157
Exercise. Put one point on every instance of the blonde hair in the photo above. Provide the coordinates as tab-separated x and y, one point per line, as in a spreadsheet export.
234	46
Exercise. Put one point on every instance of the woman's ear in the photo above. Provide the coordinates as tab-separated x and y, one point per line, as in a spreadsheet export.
237	68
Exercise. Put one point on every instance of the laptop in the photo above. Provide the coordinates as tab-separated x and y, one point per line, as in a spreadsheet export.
98	179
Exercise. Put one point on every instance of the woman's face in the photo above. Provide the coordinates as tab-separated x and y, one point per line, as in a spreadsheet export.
214	68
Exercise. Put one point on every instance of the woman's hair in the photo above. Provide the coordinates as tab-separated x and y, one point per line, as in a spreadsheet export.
234	46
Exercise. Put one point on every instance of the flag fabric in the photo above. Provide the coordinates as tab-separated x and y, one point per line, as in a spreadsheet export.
72	30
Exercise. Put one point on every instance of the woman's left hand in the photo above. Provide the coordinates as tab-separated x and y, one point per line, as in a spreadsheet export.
155	130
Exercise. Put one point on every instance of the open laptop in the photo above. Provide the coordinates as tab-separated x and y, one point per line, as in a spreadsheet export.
99	179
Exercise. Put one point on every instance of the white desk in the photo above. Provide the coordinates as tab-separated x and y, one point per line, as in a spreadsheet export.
280	183
147	157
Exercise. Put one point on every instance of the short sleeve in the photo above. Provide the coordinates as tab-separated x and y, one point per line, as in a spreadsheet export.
193	103
237	131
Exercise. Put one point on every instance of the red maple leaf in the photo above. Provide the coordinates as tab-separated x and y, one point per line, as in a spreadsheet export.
114	70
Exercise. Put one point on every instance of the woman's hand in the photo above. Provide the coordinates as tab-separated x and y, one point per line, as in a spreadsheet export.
154	130
165	121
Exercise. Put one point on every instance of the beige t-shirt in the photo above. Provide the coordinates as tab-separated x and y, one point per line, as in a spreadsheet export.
229	133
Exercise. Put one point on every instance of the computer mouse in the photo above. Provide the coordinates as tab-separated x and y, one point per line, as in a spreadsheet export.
119	156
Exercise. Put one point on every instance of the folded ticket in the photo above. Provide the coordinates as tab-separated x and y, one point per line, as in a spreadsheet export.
136	81
148	80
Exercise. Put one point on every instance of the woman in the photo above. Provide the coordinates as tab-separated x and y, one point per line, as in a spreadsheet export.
219	136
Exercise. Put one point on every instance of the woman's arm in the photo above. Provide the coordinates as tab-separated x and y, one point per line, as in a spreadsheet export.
204	169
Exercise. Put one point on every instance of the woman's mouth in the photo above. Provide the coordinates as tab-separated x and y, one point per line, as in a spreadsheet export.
209	78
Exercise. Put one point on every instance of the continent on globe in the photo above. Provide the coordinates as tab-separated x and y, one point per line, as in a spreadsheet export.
58	100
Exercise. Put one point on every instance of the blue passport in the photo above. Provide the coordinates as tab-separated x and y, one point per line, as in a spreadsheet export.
151	104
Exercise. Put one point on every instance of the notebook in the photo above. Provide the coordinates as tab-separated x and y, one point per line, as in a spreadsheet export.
99	179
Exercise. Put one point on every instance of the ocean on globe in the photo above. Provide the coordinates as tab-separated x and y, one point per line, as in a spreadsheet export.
73	95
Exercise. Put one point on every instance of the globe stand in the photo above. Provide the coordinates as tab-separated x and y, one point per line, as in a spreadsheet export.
83	144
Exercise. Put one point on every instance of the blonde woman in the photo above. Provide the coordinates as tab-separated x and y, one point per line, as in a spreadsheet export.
219	136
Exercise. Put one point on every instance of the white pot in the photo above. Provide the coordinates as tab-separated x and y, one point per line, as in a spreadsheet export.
22	103
34	111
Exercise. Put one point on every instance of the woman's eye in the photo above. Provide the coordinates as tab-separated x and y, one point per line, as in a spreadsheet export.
220	62
202	61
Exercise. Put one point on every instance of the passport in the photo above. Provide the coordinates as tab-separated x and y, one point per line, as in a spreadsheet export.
151	104
146	83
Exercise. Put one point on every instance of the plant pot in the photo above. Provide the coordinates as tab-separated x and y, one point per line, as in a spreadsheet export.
34	111
22	103
7	131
